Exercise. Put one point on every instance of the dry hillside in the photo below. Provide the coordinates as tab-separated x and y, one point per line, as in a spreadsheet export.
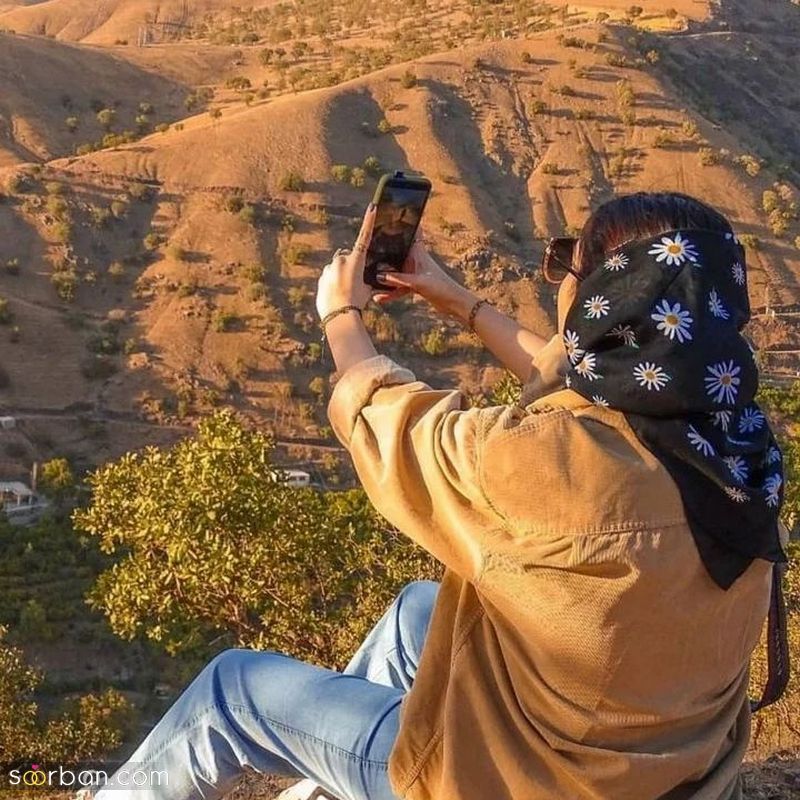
147	282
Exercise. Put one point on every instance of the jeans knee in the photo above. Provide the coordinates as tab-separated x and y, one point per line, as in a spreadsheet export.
228	661
417	599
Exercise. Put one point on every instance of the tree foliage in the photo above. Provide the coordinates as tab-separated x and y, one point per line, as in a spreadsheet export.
212	541
87	728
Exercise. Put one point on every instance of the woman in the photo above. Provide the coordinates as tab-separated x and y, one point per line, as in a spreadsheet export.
609	544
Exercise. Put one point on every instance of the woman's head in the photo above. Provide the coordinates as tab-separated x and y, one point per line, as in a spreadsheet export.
635	216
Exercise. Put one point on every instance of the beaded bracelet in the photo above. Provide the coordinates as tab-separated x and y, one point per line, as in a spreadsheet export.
343	310
474	313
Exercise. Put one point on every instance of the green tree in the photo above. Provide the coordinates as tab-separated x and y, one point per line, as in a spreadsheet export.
211	540
89	727
106	117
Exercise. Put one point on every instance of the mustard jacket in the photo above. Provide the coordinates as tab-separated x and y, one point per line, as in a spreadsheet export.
578	648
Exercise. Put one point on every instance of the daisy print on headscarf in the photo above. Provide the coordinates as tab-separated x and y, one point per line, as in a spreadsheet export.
657	326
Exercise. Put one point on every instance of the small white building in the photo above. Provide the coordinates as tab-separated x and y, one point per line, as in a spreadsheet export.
295	478
21	505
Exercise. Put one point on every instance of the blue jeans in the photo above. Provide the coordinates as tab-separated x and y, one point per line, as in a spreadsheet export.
278	715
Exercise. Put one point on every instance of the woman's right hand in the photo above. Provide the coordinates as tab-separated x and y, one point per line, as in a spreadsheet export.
423	276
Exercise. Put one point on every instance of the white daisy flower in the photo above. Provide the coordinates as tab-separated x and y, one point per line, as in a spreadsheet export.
736	494
738	467
699	442
732	237
616	262
650	375
738	273
716	306
625	334
774	456
751	420
587	366
722	419
572	346
772	486
674	251
673	321
596	307
599	400
722	384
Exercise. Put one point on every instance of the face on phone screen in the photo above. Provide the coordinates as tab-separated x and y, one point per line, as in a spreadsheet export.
396	221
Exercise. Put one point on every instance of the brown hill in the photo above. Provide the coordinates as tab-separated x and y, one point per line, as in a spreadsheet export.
203	293
50	93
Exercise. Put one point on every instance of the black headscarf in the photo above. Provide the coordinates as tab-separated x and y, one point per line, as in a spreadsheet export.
655	332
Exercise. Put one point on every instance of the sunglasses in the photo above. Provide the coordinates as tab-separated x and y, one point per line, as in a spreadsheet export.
557	260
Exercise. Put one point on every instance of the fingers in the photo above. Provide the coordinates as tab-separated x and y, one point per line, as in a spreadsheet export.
399	280
365	234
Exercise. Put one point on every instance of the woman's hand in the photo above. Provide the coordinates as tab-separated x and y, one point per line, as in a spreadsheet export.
342	281
423	276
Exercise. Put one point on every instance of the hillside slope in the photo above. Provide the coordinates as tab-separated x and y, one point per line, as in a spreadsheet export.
208	284
45	84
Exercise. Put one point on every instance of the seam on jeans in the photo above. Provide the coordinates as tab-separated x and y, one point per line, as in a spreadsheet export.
191	722
308	736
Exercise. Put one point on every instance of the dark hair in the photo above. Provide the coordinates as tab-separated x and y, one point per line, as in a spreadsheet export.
641	216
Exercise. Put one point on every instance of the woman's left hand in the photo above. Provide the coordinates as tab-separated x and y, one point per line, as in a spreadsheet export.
342	281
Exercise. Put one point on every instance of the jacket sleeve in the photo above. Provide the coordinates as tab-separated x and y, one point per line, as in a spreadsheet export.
418	455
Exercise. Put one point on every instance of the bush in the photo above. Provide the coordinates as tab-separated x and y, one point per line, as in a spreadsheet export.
212	512
372	165
384	126
62	231
72	124
292	181
65	283
225	321
295	253
12	266
176	252
538	106
750	164
248	214
116	271
709	157
139	190
152	241
408	80
341	173
358	177
234	203
106	118
5	312
750	241
434	342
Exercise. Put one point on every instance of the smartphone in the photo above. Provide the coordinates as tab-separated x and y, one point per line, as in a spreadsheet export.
400	201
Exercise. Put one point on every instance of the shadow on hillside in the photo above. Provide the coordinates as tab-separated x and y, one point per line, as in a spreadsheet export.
498	195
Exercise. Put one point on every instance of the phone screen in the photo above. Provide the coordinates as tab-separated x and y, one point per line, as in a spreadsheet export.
398	216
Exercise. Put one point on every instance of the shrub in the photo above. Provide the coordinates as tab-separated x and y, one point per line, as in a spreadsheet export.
750	241
225	321
254	273
292	181
238	82
384	126
139	190
99	216
565	90
635	11
358	177
538	106
12	266
408	79
550	169
671	13
176	252
750	164
663	138
297	296
295	253
340	173
118	208
116	271
162	127
359	563
5	312
152	241
709	157
65	283
372	165
72	124
434	342
62	231
233	203
248	214
106	118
